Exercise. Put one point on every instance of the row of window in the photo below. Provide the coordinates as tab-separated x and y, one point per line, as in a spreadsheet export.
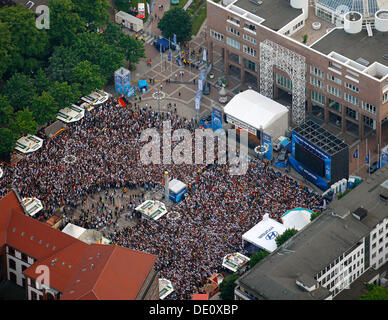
248	50
352	99
334	91
283	82
316	82
216	35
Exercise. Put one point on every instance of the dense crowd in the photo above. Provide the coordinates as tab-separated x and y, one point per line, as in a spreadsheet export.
214	214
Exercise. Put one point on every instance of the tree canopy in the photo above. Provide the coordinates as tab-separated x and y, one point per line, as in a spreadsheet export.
257	257
375	293
285	236
178	21
227	287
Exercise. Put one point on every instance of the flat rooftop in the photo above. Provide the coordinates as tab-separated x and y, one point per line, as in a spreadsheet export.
354	46
316	246
277	13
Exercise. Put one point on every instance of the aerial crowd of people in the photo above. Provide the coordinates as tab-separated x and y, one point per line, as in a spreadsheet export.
105	151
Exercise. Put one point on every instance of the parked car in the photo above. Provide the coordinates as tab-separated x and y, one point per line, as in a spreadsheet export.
373	167
206	88
282	155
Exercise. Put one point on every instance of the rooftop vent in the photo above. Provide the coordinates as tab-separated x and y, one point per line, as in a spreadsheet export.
258	2
360	213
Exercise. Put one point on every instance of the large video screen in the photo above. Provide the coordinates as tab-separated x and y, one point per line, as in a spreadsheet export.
310	160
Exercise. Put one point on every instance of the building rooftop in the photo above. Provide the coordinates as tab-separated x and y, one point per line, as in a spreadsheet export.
355	46
330	235
277	13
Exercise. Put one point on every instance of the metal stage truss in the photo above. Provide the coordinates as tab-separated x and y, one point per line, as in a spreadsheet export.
273	54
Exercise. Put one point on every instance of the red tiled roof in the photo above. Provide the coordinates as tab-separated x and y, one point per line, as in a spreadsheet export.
61	264
8	204
109	273
100	272
35	238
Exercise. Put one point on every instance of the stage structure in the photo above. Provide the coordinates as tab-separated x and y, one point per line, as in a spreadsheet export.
273	54
123	81
318	155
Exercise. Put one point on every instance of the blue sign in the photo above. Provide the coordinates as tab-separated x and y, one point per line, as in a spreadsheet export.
217	119
202	74
272	235
328	169
367	157
355	154
131	92
174	39
308	174
384	157
169	56
267	142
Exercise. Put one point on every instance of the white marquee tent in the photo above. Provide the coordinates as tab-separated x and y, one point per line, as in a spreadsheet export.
263	234
73	230
297	218
252	111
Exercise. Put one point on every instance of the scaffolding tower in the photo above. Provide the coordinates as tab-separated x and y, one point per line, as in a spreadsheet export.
273	54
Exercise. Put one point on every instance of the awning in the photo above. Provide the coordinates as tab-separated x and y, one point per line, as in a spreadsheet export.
142	84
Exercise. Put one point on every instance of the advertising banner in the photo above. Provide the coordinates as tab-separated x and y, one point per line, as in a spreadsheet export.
217	119
328	169
200	84
308	174
267	142
202	74
384	156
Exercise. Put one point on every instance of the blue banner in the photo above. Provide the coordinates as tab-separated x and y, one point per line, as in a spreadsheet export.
267	140
174	39
308	174
169	56
367	157
131	92
217	119
355	154
384	156
202	74
281	164
328	169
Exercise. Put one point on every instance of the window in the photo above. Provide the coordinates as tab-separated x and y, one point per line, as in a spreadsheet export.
351	113
24	268
358	254
368	107
351	87
250	39
232	30
334	91
316	82
349	98
373	245
11	251
234	20
250	65
34	296
317	97
216	35
297	25
249	26
335	65
249	50
373	255
381	231
381	240
385	97
24	257
12	264
374	236
315	71
283	82
381	261
334	79
233	43
380	250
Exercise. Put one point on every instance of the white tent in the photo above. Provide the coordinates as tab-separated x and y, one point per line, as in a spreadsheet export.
32	205
71	114
297	218
263	234
176	186
73	230
165	288
252	111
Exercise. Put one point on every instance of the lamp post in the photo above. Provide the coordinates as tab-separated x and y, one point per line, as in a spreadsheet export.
159	95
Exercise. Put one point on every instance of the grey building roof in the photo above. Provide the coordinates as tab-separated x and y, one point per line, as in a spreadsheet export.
277	13
354	46
316	246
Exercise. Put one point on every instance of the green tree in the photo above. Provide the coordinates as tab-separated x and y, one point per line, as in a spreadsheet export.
6	48
62	63
41	82
65	23
23	123
89	77
285	236
92	47
7	143
257	257
44	108
227	287
19	91
315	215
6	110
93	12
375	293
64	94
29	45
122	5
178	21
